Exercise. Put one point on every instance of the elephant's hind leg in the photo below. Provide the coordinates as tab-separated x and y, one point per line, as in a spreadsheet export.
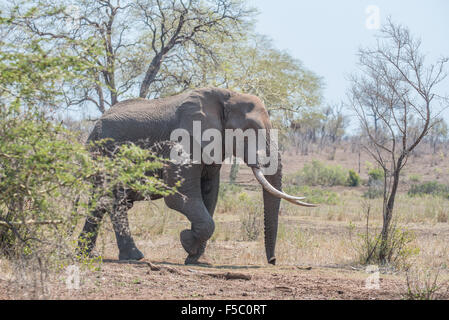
119	218
88	237
89	234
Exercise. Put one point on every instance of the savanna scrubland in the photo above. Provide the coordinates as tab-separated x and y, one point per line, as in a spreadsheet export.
320	251
382	189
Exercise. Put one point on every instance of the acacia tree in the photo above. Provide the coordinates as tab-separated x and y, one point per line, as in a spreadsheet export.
400	89
253	65
130	40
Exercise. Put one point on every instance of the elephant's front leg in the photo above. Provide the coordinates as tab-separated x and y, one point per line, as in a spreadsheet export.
210	183
119	218
189	201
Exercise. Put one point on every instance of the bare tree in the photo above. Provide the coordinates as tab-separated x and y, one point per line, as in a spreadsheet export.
400	90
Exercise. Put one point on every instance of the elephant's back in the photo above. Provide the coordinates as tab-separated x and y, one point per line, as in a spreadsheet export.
137	119
140	108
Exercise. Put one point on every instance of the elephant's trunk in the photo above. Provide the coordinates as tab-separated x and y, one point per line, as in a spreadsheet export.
272	195
271	213
272	187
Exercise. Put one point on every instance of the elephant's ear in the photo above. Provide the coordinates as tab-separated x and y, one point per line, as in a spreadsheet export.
200	114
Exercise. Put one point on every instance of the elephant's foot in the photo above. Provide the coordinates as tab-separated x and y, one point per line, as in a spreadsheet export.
195	260
194	248
130	254
190	243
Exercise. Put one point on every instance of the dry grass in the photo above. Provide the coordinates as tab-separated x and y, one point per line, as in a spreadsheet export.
306	236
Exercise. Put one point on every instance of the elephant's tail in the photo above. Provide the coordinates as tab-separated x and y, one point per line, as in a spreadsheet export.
95	133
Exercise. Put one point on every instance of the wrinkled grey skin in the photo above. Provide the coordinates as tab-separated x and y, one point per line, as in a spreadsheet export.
138	119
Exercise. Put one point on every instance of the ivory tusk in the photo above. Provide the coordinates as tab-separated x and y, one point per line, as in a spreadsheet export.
267	186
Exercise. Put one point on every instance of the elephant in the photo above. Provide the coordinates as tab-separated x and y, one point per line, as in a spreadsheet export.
153	121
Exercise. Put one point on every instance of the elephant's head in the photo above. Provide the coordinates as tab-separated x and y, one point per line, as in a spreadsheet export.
242	111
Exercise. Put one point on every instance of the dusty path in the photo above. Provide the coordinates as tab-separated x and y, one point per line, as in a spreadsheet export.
174	281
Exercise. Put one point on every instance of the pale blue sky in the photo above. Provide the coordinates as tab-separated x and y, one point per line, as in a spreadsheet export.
325	35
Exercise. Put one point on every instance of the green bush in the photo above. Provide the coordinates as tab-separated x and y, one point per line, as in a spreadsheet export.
375	184
399	247
319	174
46	176
432	188
353	179
374	191
314	195
251	217
376	174
43	170
415	178
425	284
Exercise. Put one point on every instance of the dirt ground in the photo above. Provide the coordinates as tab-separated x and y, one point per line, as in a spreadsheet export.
164	280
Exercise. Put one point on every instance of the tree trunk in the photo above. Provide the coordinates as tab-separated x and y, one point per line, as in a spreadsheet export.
388	213
234	171
150	75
